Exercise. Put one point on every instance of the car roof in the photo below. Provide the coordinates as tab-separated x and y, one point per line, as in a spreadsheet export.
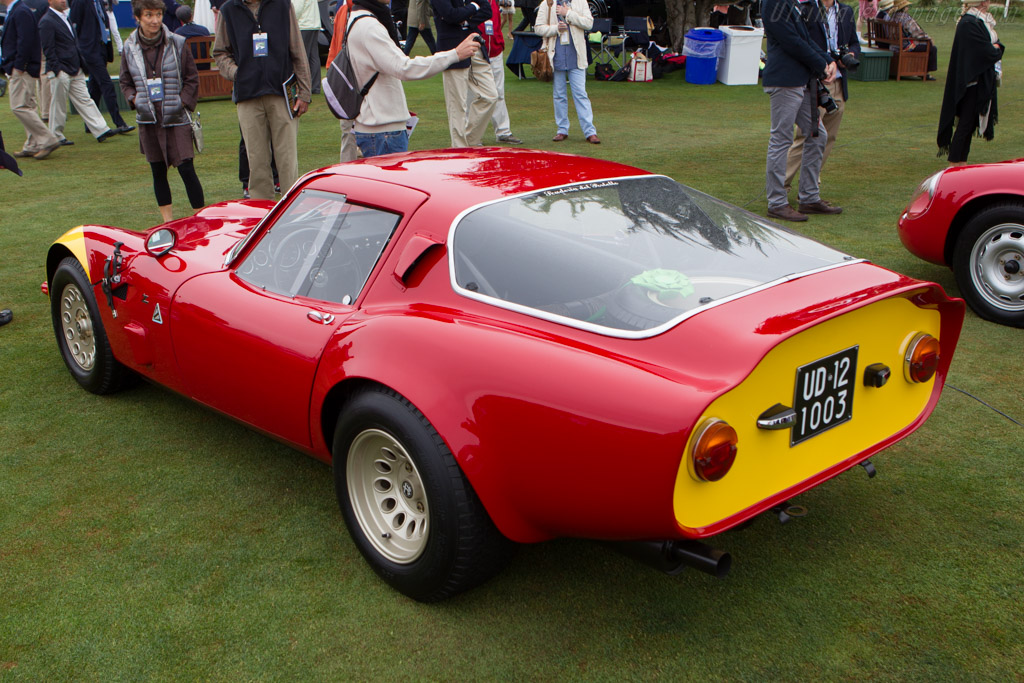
467	177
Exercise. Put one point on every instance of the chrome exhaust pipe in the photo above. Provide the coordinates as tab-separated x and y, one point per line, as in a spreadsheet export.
672	557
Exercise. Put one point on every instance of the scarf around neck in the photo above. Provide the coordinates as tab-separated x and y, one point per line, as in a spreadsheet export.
383	14
151	42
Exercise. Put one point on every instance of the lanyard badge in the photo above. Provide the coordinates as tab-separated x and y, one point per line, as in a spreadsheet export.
155	89
259	45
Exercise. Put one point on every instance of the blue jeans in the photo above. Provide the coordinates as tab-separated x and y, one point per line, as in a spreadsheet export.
577	79
375	144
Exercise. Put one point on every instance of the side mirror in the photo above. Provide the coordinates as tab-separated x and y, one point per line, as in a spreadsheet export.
160	242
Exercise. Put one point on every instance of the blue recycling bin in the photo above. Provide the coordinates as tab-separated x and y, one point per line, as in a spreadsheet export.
702	47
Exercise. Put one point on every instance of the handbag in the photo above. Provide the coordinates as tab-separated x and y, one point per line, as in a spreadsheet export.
540	63
197	130
640	68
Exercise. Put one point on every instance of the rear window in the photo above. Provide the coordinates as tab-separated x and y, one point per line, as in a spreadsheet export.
623	256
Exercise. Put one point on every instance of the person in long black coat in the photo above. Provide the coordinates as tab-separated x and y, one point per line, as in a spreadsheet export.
969	100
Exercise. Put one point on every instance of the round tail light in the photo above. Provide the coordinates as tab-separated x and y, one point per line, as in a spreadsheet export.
922	358
713	450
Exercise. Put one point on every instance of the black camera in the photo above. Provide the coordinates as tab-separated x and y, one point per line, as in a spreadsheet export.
848	59
825	100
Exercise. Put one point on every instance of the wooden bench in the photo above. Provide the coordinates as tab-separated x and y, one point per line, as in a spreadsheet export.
888	35
211	83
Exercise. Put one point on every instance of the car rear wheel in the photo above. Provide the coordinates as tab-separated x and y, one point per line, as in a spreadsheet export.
80	335
988	263
410	510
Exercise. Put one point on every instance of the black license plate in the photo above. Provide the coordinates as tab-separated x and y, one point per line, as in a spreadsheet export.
824	394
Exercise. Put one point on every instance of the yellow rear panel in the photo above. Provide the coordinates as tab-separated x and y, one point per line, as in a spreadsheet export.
765	463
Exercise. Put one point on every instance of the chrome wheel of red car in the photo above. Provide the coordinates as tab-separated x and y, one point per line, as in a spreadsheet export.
989	264
80	336
410	510
387	495
76	325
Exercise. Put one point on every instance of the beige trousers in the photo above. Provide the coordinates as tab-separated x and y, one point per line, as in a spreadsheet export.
44	92
63	87
467	124
23	104
499	115
349	149
831	123
265	121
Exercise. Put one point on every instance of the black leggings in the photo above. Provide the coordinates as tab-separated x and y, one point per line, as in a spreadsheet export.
967	113
188	176
428	38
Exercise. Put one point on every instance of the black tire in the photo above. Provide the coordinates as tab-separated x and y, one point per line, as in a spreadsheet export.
79	330
988	263
410	510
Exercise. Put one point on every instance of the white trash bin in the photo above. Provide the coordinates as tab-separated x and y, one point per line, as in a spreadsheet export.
741	56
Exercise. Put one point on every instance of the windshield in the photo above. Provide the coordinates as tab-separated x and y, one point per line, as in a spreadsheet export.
628	255
320	247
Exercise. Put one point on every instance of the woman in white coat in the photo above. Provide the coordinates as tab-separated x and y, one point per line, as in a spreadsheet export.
563	24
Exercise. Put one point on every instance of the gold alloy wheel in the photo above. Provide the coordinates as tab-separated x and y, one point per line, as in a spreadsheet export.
387	496
76	324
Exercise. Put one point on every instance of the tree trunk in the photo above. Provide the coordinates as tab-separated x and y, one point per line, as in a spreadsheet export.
675	15
683	15
702	13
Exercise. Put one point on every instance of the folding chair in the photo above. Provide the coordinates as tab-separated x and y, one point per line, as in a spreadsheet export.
635	30
610	45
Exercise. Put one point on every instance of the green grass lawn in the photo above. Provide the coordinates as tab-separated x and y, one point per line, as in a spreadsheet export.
142	536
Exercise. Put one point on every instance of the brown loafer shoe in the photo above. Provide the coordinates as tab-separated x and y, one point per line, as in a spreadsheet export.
786	213
559	137
820	206
46	151
593	140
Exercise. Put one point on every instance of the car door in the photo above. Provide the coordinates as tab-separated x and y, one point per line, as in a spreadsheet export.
248	339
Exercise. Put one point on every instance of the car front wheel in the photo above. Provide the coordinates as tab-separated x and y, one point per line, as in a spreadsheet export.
410	510
80	335
988	262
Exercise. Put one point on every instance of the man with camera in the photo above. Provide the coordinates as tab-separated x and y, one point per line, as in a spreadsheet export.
794	67
832	28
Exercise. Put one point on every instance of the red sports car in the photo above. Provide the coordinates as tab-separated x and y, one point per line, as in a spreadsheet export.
971	218
507	346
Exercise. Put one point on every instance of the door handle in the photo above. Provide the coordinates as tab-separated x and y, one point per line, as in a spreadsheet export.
777	417
322	318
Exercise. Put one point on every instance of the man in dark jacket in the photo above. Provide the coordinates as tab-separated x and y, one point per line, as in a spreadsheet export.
832	28
64	75
188	28
456	20
792	65
19	58
92	30
258	46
